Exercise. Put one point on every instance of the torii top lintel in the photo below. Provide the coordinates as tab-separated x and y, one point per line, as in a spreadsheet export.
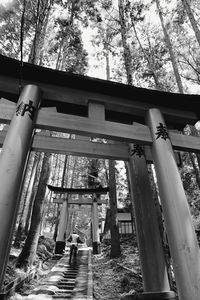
70	94
80	191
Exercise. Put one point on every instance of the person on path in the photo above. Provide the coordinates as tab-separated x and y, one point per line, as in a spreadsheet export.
74	240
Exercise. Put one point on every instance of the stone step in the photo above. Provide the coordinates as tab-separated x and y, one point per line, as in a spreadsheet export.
66	287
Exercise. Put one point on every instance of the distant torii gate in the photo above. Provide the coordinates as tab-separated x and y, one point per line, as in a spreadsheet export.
94	202
139	121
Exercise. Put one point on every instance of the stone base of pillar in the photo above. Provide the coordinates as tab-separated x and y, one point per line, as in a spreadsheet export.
60	247
96	248
170	295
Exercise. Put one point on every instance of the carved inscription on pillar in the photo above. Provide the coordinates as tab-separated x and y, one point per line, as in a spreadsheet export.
137	150
162	132
22	108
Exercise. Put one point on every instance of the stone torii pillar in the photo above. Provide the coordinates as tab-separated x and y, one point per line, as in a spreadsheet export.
181	234
13	158
61	238
95	225
152	259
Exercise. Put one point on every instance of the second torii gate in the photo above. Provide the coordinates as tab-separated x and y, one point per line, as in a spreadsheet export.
94	202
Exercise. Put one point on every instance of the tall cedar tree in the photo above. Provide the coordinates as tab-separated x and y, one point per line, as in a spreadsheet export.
27	203
43	8
28	253
114	228
191	17
126	48
136	16
170	48
32	190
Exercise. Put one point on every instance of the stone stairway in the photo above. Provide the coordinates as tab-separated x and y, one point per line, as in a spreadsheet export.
66	281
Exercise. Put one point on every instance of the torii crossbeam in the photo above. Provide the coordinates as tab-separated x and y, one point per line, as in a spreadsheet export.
80	191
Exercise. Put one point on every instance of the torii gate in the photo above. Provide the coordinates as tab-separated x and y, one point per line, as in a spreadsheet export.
97	108
94	202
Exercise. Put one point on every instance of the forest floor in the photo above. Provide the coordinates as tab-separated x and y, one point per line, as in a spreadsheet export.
41	273
43	264
115	278
112	278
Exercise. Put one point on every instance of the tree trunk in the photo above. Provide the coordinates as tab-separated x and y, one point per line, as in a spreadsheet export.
32	190
148	59
28	253
64	171
114	229
107	65
169	46
19	234
58	208
66	40
193	22
44	29
196	170
195	132
126	49
48	209
57	213
132	200
65	54
111	180
43	10
33	158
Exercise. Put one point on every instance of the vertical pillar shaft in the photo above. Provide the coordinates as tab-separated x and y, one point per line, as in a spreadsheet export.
60	241
154	271
179	226
95	226
12	162
96	112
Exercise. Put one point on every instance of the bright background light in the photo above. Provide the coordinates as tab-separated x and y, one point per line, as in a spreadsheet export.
6	2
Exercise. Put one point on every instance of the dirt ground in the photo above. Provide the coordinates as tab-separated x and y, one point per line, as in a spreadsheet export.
115	278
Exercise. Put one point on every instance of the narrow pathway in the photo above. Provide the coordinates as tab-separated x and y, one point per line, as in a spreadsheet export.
66	281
